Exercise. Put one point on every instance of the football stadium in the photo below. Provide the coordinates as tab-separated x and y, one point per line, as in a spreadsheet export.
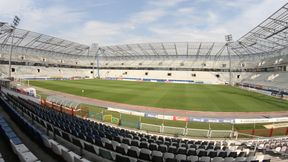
165	101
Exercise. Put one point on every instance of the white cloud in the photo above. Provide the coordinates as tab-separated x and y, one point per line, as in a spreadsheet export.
55	17
165	3
184	11
251	16
10	8
47	20
147	16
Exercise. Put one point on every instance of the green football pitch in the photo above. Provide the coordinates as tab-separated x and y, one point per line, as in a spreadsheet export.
196	97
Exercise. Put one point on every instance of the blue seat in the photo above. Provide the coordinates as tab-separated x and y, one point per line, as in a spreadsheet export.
16	141
10	135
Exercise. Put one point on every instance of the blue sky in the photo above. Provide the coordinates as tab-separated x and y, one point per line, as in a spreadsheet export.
135	21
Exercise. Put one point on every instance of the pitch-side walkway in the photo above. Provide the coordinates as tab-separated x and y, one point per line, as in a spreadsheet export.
166	111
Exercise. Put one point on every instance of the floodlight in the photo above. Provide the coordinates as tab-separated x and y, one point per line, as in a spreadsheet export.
16	21
228	38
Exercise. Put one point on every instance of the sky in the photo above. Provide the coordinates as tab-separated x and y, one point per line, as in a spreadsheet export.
109	22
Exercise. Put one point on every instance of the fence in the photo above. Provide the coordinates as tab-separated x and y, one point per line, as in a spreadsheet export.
266	132
201	130
151	127
213	132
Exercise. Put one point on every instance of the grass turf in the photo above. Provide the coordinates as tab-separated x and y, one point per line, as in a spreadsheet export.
195	97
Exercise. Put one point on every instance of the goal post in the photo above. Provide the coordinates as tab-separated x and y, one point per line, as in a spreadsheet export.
150	127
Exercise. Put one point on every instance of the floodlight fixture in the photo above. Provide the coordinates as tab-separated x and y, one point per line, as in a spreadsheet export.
16	21
228	38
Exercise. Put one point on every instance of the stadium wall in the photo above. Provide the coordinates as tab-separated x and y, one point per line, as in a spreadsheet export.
195	76
39	72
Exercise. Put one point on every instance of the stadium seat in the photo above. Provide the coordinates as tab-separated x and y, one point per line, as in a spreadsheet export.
133	151
157	156
212	154
144	144
217	159
180	157
228	159
202	153
222	154
191	151
170	160
126	141
89	148
181	150
135	143
172	149
162	148
153	146
239	159
145	154
109	146
232	154
105	154
120	158
167	155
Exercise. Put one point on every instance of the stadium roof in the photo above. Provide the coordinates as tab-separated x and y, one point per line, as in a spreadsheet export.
165	49
33	40
269	35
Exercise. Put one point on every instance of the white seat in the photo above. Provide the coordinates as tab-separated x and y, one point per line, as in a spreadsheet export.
47	142
18	149
27	157
57	149
77	159
69	155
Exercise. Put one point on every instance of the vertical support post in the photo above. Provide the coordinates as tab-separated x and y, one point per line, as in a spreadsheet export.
233	131
209	132
139	122
10	54
230	73
253	131
186	126
97	59
102	113
228	38
162	125
120	116
271	132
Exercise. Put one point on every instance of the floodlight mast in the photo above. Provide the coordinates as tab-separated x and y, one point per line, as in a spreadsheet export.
229	40
96	59
97	63
94	49
16	22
